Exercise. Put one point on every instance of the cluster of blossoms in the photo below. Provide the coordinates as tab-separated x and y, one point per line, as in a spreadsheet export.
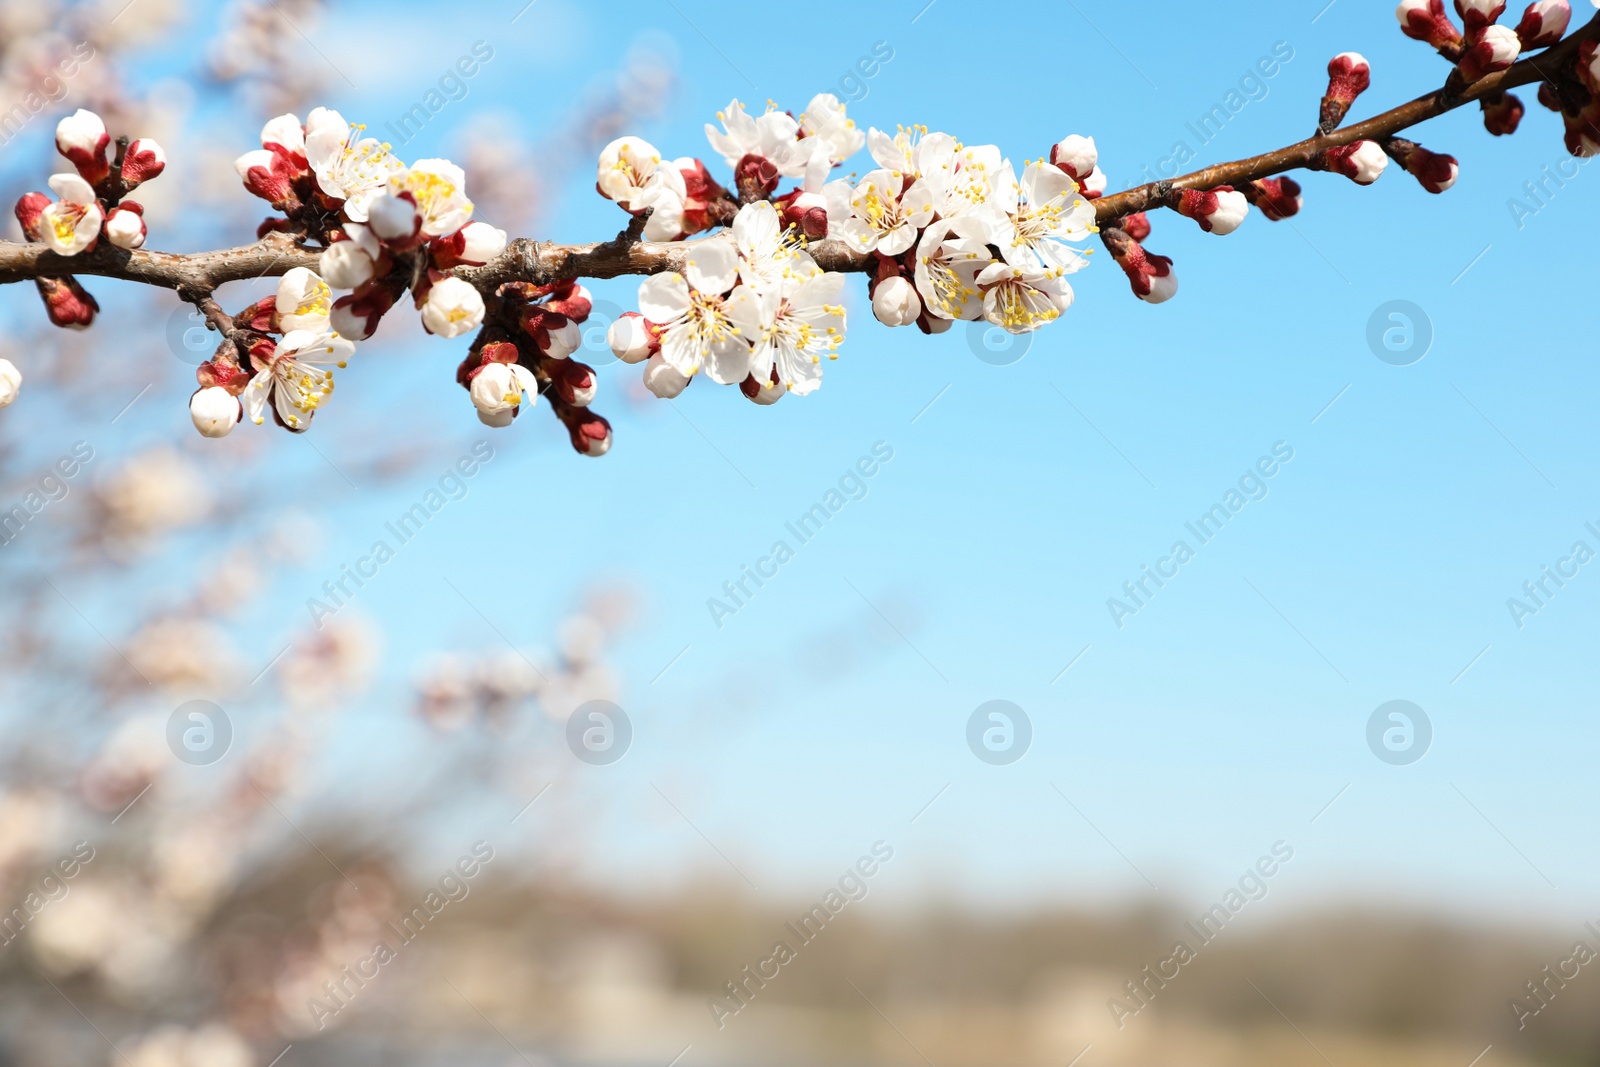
945	232
1482	46
89	204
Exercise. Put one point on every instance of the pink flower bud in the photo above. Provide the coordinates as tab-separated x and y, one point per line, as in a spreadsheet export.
67	303
590	433
1276	198
768	392
1476	14
1349	75
125	227
573	382
1544	23
1425	20
1094	186
1076	156
1218	211
268	175
1434	171
631	338
29	208
1494	49
1502	113
1361	162
144	160
83	139
1151	276
357	314
1136	225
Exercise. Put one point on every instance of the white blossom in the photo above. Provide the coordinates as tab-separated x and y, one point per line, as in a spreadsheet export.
354	170
72	223
215	411
294	378
1039	215
453	308
498	388
895	302
885	216
691	310
773	136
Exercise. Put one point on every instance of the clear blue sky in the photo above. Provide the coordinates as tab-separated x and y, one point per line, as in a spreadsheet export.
1224	715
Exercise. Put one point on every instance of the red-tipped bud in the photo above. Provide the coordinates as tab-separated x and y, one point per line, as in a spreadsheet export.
1493	49
1549	98
1425	20
1436	172
590	433
1502	113
1136	225
1151	276
83	139
1276	198
1544	23
764	393
124	226
573	382
1349	75
29	208
268	175
1076	156
144	160
1361	162
1476	14
1218	211
756	178
356	315
571	300
67	303
224	372
1583	131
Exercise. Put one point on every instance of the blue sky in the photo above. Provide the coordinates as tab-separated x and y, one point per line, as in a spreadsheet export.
1231	709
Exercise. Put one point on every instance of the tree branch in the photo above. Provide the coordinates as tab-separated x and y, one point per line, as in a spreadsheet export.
1299	156
539	263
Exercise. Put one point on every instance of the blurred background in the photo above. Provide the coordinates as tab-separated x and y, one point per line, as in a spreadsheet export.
552	788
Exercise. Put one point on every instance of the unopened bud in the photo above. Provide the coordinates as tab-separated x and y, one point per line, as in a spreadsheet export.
1434	171
1426	20
83	139
1494	49
1349	75
215	411
1276	198
1076	156
1218	211
895	302
125	227
1502	113
144	160
1361	162
663	379
1544	23
631	338
10	383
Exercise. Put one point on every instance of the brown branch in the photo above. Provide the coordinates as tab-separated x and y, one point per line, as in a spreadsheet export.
1541	67
525	260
